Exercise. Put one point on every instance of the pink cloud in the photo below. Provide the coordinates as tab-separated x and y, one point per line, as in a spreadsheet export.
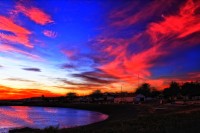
11	49
35	14
21	34
69	53
50	33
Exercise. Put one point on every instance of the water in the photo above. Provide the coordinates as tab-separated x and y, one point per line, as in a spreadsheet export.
40	117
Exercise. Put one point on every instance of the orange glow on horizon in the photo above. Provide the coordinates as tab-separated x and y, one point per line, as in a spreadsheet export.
7	93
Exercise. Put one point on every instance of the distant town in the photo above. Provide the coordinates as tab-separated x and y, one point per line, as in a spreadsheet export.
185	93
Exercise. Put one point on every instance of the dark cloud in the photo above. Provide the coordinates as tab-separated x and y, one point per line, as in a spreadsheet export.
91	80
100	58
78	84
183	77
68	66
99	73
79	88
32	69
82	88
97	76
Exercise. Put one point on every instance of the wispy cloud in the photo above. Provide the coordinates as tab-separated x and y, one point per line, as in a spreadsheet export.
68	66
19	79
84	90
129	16
87	81
11	49
50	33
78	84
96	77
69	53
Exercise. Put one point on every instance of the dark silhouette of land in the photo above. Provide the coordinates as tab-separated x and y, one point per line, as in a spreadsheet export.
185	93
174	109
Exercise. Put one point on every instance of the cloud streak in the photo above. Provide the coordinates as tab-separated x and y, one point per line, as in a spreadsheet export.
11	49
69	53
78	84
50	33
68	66
127	16
19	79
98	77
32	69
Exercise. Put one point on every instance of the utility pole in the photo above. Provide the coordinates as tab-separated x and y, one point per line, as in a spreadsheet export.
121	93
138	80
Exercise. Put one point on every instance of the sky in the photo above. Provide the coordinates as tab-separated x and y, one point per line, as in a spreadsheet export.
54	47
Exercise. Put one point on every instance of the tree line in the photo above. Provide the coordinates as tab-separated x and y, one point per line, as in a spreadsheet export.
175	89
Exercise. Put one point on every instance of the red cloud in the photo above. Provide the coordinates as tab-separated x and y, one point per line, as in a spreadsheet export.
160	37
128	68
50	33
21	35
181	25
35	14
13	93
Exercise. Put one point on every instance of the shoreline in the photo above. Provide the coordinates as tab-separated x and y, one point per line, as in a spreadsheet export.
125	118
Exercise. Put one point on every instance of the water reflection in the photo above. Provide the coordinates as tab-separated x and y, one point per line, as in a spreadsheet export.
41	117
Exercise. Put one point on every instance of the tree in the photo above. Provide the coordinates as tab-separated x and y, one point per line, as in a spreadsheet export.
144	89
96	94
187	88
190	89
71	96
197	88
172	91
174	88
155	93
167	93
